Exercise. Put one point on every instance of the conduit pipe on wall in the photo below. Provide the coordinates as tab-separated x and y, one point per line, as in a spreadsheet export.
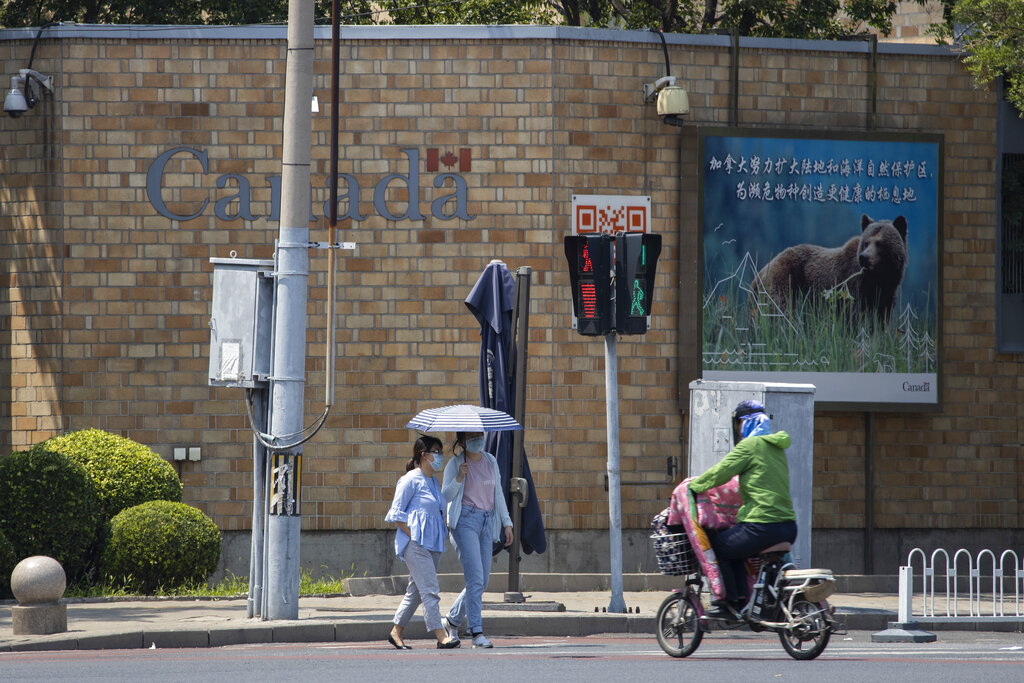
734	97
872	41
874	81
869	493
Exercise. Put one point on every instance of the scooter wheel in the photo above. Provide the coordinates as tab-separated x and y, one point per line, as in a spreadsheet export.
809	637
679	628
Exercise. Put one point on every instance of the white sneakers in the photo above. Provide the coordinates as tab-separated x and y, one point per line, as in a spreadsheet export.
452	631
479	640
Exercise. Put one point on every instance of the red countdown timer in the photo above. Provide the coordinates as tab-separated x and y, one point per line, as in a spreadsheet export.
590	263
588	290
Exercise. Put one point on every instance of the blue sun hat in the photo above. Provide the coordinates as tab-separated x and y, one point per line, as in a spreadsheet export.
753	421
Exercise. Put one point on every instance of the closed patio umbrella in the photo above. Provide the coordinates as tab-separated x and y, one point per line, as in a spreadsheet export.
491	302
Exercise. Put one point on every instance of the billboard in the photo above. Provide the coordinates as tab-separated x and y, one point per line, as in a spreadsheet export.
822	264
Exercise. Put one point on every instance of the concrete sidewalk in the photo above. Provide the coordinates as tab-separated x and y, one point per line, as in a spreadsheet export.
573	608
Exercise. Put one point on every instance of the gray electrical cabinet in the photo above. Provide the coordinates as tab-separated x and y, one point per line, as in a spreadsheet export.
790	408
241	322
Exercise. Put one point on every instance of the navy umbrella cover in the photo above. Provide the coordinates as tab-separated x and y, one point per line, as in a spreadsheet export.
491	301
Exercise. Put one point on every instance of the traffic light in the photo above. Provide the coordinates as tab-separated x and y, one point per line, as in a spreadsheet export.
636	259
590	272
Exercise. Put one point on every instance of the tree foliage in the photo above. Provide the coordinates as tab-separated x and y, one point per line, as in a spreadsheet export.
14	13
766	18
763	18
487	12
991	32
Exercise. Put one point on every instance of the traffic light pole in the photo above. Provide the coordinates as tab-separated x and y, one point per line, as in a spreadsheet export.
281	592
597	313
611	393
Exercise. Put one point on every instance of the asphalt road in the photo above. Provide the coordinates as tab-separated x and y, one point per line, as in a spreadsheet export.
958	656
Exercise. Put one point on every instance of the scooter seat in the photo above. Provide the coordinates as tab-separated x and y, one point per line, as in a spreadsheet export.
783	547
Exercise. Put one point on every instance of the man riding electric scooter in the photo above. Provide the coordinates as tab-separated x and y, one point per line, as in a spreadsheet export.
766	517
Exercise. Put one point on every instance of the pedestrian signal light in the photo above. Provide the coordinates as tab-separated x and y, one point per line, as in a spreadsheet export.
590	266
636	260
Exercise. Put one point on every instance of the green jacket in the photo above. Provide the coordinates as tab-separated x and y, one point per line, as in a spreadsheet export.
764	478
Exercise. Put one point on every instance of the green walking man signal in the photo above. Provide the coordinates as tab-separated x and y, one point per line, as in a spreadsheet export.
636	260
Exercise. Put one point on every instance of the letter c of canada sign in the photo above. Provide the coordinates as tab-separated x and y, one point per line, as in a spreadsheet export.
445	207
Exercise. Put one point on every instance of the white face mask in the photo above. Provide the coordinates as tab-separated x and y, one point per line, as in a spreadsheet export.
475	445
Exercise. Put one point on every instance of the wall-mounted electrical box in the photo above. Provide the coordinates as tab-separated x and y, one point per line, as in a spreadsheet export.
790	408
241	322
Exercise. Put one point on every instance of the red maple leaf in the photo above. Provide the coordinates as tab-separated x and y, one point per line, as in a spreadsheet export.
449	159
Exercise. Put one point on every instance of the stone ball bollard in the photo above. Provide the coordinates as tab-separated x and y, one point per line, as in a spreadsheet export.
38	582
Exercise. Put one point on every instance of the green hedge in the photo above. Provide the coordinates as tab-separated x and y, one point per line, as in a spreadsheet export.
48	506
124	472
160	544
8	561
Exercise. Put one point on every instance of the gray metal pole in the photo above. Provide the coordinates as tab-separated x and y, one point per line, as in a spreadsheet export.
259	455
288	370
521	337
611	390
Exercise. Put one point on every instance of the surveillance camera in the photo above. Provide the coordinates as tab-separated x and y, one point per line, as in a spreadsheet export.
20	100
673	104
15	104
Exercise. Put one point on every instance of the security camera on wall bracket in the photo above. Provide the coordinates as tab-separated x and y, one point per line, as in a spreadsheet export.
672	101
26	89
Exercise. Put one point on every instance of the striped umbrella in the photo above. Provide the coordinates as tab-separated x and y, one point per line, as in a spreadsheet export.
463	418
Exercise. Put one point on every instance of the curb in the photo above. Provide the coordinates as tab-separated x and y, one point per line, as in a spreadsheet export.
575	583
546	624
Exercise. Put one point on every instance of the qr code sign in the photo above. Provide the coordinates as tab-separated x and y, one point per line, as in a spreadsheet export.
610	214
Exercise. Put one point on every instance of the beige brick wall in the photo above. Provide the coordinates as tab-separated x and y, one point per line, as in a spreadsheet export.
109	301
31	320
913	20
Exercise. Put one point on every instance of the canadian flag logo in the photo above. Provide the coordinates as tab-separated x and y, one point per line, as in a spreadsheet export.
435	158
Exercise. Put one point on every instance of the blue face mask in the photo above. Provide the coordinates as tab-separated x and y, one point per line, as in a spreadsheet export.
437	462
475	445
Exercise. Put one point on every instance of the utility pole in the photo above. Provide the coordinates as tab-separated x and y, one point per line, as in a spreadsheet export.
288	369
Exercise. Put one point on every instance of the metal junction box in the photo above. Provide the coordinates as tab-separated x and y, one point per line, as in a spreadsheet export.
790	408
241	322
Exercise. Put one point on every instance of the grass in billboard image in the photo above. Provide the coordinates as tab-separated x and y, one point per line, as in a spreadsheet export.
820	255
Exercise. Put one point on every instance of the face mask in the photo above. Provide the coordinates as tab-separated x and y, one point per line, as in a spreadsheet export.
475	445
437	462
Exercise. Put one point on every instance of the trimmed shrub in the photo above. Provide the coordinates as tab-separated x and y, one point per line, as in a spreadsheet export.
161	544
8	561
48	506
124	472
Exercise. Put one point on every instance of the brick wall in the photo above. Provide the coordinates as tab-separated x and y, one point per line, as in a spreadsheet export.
912	21
31	241
109	301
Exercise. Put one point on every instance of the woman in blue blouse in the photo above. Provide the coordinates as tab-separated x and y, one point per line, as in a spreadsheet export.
418	510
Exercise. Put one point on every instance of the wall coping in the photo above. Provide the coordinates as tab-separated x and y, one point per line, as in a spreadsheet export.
503	32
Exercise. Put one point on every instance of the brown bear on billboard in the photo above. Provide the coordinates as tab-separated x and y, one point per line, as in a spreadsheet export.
870	267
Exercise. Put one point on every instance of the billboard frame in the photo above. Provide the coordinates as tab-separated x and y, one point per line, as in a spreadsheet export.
799	135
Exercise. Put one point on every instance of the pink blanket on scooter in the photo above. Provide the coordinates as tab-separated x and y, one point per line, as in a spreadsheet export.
714	509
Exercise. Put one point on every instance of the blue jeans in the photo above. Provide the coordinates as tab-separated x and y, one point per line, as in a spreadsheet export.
735	544
473	544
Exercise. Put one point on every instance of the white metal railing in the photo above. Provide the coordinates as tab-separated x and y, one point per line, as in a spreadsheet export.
963	572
